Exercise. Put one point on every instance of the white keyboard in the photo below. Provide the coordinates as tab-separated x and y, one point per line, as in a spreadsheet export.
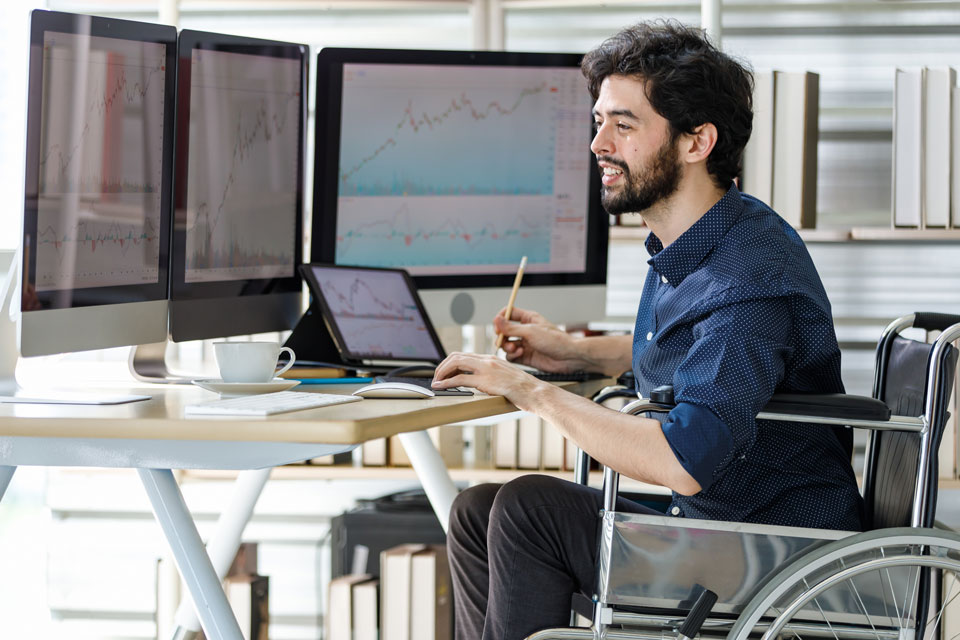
267	404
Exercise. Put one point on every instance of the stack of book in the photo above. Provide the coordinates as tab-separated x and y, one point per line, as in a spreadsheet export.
531	443
412	600
389	451
780	160
926	140
353	604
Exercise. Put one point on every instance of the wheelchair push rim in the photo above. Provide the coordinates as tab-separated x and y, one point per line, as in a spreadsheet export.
889	566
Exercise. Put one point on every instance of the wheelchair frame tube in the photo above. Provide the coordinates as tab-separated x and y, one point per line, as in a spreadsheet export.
932	416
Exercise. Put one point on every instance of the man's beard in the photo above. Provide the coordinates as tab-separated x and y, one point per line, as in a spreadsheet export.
659	180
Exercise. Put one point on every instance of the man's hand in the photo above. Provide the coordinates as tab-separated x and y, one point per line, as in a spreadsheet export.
489	374
533	341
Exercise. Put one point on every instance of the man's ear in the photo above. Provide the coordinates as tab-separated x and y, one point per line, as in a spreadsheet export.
700	143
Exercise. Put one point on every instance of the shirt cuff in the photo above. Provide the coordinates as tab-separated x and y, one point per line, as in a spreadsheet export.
699	439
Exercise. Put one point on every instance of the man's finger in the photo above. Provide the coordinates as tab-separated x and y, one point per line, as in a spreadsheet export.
459	380
511	329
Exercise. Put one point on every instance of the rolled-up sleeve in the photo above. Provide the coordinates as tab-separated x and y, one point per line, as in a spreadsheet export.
736	362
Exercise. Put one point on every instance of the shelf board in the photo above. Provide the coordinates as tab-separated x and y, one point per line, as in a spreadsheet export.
349	472
889	234
867	234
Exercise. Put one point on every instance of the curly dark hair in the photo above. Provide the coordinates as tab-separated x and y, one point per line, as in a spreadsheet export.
688	81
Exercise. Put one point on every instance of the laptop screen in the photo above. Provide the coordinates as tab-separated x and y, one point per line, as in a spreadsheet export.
374	314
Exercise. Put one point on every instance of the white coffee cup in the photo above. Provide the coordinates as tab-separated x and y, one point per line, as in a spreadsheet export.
250	361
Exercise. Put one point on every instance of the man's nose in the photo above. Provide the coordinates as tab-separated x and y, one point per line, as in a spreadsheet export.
601	144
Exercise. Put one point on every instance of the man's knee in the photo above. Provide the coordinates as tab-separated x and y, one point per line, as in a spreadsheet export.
521	495
471	508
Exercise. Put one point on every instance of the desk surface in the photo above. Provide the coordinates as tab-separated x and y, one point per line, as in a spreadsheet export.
162	418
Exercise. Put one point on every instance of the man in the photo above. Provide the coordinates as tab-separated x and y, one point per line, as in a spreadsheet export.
732	310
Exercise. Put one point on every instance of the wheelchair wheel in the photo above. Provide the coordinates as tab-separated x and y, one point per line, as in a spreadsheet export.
890	584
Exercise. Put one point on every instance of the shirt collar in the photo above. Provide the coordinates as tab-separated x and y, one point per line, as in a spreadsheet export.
680	259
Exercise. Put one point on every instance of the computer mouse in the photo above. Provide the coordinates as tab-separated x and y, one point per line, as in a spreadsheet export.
394	390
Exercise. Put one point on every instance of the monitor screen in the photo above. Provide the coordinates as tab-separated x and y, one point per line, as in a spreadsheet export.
98	182
374	313
453	165
239	185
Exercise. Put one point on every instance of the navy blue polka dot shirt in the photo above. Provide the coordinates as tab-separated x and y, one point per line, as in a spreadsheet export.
732	312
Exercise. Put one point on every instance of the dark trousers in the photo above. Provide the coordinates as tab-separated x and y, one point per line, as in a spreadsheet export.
519	551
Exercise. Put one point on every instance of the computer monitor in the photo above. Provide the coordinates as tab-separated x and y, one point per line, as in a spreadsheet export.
96	223
238	187
455	164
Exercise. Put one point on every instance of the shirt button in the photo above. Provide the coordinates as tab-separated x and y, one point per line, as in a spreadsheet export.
650	335
663	279
675	511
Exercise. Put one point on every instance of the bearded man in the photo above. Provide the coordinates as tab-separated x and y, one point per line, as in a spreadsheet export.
732	311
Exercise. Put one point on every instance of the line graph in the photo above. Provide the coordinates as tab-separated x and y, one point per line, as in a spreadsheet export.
411	130
242	167
436	235
100	163
119	93
376	313
98	249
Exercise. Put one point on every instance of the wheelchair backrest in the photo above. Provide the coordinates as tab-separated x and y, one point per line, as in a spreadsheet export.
893	460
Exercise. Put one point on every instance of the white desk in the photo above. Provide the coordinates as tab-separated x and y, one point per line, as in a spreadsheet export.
155	437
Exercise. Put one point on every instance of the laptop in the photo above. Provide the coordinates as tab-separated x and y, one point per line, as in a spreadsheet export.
377	320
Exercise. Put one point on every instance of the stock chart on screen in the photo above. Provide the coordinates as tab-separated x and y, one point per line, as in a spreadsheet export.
101	163
449	169
243	167
376	313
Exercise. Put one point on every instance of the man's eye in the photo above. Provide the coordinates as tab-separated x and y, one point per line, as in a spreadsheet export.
622	126
596	125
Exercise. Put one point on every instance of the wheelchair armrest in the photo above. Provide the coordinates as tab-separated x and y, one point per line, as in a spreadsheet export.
820	405
829	405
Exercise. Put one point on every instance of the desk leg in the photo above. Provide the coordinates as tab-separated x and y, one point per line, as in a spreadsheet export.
223	544
5	474
432	472
178	527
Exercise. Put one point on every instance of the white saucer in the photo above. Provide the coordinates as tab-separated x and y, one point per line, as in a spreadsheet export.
245	388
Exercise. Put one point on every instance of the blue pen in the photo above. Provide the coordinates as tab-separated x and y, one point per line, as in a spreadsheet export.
334	380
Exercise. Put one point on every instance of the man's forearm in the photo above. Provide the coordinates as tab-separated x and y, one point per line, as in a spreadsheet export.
610	355
632	445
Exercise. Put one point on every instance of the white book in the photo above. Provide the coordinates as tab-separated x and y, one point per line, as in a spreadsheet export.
374	452
398	455
551	447
955	159
795	137
366	604
505	444
528	441
569	455
449	442
938	87
339	618
431	616
758	154
395	581
908	148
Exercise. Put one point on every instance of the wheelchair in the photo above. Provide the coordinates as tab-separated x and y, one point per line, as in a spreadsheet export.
665	577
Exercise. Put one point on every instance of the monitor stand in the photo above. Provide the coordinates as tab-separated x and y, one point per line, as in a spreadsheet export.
148	363
312	343
9	354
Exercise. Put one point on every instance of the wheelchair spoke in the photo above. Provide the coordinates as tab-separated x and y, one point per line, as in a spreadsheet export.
893	596
909	595
816	601
947	600
853	587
